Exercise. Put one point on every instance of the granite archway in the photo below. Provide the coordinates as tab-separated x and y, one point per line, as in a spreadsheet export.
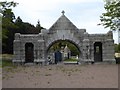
72	42
64	29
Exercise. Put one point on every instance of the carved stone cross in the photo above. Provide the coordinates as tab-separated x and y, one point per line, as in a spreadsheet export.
63	12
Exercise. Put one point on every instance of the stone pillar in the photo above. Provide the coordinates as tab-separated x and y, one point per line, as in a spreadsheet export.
92	51
108	50
36	56
86	50
16	48
41	51
22	51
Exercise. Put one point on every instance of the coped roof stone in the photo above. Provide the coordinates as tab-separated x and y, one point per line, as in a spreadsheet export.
63	23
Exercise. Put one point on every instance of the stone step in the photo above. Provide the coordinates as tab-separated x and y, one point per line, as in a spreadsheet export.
29	64
70	62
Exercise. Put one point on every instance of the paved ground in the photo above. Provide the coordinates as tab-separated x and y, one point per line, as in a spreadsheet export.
61	76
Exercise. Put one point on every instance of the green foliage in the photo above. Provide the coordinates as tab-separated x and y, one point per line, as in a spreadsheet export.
111	18
10	26
6	63
71	60
24	28
38	27
7	19
117	48
6	60
8	14
0	27
57	46
29	29
6	5
0	63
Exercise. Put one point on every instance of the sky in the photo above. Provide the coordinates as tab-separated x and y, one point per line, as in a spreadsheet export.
85	14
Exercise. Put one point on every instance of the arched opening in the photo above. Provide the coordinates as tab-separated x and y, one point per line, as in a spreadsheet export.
61	50
98	52
29	52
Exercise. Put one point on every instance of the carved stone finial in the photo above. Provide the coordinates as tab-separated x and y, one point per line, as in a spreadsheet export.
63	12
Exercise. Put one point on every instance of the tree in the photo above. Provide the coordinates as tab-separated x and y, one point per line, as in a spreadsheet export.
29	28
38	27
10	26
57	46
24	27
20	25
119	48
18	20
111	18
7	18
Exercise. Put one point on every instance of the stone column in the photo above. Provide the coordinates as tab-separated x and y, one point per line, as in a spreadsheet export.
16	48
36	59
22	52
86	50
92	51
108	50
16	51
41	51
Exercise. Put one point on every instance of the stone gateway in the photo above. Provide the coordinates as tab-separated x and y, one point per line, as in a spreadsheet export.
35	47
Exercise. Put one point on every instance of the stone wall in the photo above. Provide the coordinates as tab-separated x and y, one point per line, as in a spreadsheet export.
64	29
19	47
85	44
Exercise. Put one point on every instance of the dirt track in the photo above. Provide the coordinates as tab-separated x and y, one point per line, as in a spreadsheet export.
62	76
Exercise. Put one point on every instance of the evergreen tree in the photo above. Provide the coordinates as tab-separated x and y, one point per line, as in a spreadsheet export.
7	24
20	25
10	26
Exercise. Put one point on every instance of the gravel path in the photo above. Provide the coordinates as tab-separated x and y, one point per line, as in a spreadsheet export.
61	76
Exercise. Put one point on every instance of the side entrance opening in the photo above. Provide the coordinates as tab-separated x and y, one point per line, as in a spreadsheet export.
98	52
29	52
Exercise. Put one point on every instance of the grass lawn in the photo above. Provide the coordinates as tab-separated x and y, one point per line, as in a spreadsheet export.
7	63
71	60
6	60
0	63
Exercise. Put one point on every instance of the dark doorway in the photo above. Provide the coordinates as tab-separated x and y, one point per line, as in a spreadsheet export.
58	57
29	54
98	52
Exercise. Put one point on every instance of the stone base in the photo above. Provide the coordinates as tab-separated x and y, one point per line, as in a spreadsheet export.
65	62
107	61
